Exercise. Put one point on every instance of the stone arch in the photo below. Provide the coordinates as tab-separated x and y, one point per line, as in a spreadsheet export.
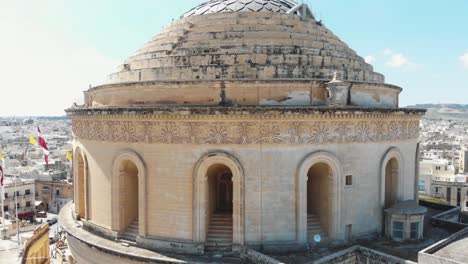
118	222
200	185
81	190
301	193
394	159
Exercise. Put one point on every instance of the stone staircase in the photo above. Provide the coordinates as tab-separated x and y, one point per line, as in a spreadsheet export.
132	232
314	228
219	238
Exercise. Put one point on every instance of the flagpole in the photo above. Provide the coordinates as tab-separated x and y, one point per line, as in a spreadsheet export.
16	206
2	194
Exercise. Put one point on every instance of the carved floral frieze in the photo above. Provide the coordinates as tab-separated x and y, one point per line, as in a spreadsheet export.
245	132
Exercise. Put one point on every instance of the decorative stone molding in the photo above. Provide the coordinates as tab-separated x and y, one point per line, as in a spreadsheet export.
335	178
244	132
200	201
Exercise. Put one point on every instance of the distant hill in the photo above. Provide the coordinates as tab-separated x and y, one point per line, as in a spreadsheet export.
444	111
441	106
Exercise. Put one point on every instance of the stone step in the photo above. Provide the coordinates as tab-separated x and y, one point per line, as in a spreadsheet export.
211	247
221	239
221	216
221	220
220	231
220	236
129	237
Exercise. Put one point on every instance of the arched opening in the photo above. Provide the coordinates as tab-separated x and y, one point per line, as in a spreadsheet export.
129	212
128	191
319	201
218	211
219	218
80	192
318	190
391	183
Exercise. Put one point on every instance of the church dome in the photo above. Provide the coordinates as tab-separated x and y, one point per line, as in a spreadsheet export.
242	49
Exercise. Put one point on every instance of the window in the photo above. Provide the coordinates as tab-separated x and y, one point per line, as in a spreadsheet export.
437	167
466	204
28	204
18	205
458	196
6	195
437	189
397	231
349	180
45	190
57	192
27	192
414	232
17	193
5	208
422	185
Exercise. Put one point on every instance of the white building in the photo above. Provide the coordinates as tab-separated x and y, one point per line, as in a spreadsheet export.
23	195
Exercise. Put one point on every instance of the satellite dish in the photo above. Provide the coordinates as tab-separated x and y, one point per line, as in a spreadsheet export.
317	238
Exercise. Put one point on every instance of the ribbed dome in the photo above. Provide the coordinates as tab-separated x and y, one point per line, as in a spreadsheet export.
227	6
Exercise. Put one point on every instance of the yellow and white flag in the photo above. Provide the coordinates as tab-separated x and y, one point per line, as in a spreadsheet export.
2	156
32	140
69	156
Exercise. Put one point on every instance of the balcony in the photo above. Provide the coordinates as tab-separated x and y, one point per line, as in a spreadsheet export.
28	196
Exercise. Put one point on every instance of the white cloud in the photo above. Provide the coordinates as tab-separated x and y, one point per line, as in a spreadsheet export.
464	59
370	59
44	72
387	52
398	60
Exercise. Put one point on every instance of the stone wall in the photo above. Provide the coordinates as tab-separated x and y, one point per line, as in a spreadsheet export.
358	255
270	168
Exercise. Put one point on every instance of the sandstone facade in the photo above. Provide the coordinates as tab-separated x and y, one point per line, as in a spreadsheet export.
246	128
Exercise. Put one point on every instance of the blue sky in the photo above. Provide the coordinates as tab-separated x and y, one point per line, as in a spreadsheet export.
53	49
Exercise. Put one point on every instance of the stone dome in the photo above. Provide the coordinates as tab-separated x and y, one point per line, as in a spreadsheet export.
249	51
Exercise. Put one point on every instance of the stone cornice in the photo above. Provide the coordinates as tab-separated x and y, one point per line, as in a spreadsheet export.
282	80
242	112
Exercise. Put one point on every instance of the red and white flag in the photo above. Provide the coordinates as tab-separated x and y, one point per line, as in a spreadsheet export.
42	143
1	176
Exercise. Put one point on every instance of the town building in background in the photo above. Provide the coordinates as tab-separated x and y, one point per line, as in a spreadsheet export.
54	194
19	192
443	172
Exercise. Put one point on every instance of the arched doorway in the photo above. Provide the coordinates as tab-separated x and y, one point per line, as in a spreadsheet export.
129	199
319	189
391	183
218	211
80	191
129	196
220	204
